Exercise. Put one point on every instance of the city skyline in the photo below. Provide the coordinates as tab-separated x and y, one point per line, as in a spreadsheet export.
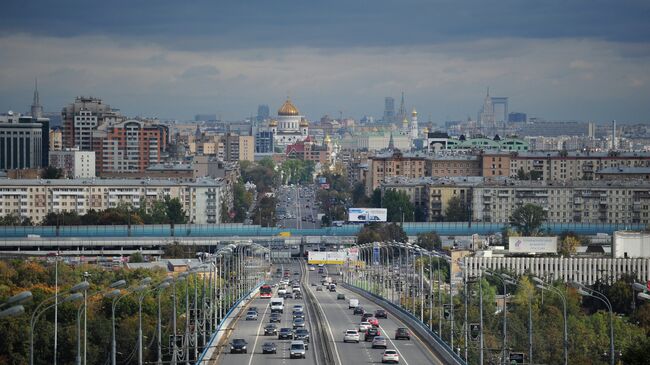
556	61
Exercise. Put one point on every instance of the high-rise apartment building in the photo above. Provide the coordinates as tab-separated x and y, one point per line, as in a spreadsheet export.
81	117
56	139
74	163
389	110
129	146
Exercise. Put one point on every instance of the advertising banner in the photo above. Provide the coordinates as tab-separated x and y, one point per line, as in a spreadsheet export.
533	244
326	257
367	214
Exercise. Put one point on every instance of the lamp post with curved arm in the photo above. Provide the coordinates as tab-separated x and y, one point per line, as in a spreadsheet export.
586	291
141	290
511	281
75	289
541	285
15	309
180	277
504	342
162	286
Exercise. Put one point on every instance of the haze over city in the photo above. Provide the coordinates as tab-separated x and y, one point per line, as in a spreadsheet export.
557	60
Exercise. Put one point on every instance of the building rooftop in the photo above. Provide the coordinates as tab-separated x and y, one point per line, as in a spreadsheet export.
504	182
571	154
109	182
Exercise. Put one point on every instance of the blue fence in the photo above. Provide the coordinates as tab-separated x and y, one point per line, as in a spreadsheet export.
229	230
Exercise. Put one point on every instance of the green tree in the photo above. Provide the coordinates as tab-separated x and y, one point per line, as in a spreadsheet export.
381	232
359	198
375	199
429	240
568	245
51	172
456	210
528	218
175	212
136	257
398	206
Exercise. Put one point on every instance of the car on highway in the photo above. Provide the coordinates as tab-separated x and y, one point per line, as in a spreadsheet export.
311	268
275	318
365	316
302	334
381	313
390	356
319	288
359	310
298	314
402	333
373	321
269	348
297	350
363	327
251	316
238	345
298	295
379	342
351	336
270	330
288	295
353	303
340	296
285	333
298	323
371	333
298	308
332	288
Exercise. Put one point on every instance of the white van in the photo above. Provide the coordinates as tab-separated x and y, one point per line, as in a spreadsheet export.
353	303
277	305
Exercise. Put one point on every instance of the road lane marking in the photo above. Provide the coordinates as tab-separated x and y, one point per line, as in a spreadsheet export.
329	328
257	335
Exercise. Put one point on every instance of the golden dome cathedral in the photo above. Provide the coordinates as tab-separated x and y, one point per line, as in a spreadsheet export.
288	109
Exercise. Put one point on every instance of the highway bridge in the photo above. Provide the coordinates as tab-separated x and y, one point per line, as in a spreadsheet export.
327	318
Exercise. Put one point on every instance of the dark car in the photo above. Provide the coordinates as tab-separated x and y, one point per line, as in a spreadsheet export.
340	296
298	314
371	333
270	330
275	317
381	313
302	334
319	288
238	345
285	333
288	295
365	316
402	333
359	310
269	348
298	295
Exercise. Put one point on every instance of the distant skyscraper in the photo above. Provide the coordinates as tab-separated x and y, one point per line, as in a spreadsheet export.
37	109
389	109
263	112
24	141
401	113
517	117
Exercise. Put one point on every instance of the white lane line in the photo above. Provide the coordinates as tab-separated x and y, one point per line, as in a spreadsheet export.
257	335
329	327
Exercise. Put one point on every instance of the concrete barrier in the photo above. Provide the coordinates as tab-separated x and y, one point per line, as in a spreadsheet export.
430	338
226	325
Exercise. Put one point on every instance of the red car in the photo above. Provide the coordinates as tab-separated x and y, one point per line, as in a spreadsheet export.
373	321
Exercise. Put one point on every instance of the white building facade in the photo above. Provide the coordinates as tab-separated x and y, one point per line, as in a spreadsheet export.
75	164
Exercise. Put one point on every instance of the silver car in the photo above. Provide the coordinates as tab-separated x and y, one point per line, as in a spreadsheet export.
298	323
251	316
379	342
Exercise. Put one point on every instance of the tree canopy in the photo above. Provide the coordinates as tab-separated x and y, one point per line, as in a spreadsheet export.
429	240
528	219
398	206
381	232
456	210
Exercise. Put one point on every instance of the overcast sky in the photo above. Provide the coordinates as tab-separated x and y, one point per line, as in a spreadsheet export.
555	59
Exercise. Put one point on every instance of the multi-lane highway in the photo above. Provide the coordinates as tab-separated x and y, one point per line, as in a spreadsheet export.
296	207
337	318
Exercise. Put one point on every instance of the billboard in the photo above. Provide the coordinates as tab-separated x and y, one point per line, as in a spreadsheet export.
367	215
533	244
326	257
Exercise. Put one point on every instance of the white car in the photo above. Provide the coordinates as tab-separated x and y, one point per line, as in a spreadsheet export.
390	356
298	308
311	268
363	327
282	292
351	336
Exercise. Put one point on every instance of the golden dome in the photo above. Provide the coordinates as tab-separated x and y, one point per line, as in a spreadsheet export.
288	109
328	140
304	122
414	113
273	123
425	130
405	121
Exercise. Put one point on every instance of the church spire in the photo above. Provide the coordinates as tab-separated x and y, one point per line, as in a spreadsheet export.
391	142
37	109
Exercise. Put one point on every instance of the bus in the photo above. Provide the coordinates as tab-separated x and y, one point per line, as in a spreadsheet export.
266	291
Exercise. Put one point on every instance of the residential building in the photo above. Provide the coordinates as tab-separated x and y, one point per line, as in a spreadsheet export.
129	146
56	139
264	142
24	141
393	164
81	117
308	150
442	165
617	202
74	163
35	198
239	148
623	173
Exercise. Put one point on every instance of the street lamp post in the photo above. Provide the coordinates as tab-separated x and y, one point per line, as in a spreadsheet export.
180	277
510	281
541	285
585	291
15	309
505	314
162	286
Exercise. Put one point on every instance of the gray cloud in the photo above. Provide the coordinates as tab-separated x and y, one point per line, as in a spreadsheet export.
202	71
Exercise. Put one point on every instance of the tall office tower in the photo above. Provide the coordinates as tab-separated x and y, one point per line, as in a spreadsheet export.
401	113
486	115
263	112
389	109
500	108
24	141
613	134
81	117
591	133
37	108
